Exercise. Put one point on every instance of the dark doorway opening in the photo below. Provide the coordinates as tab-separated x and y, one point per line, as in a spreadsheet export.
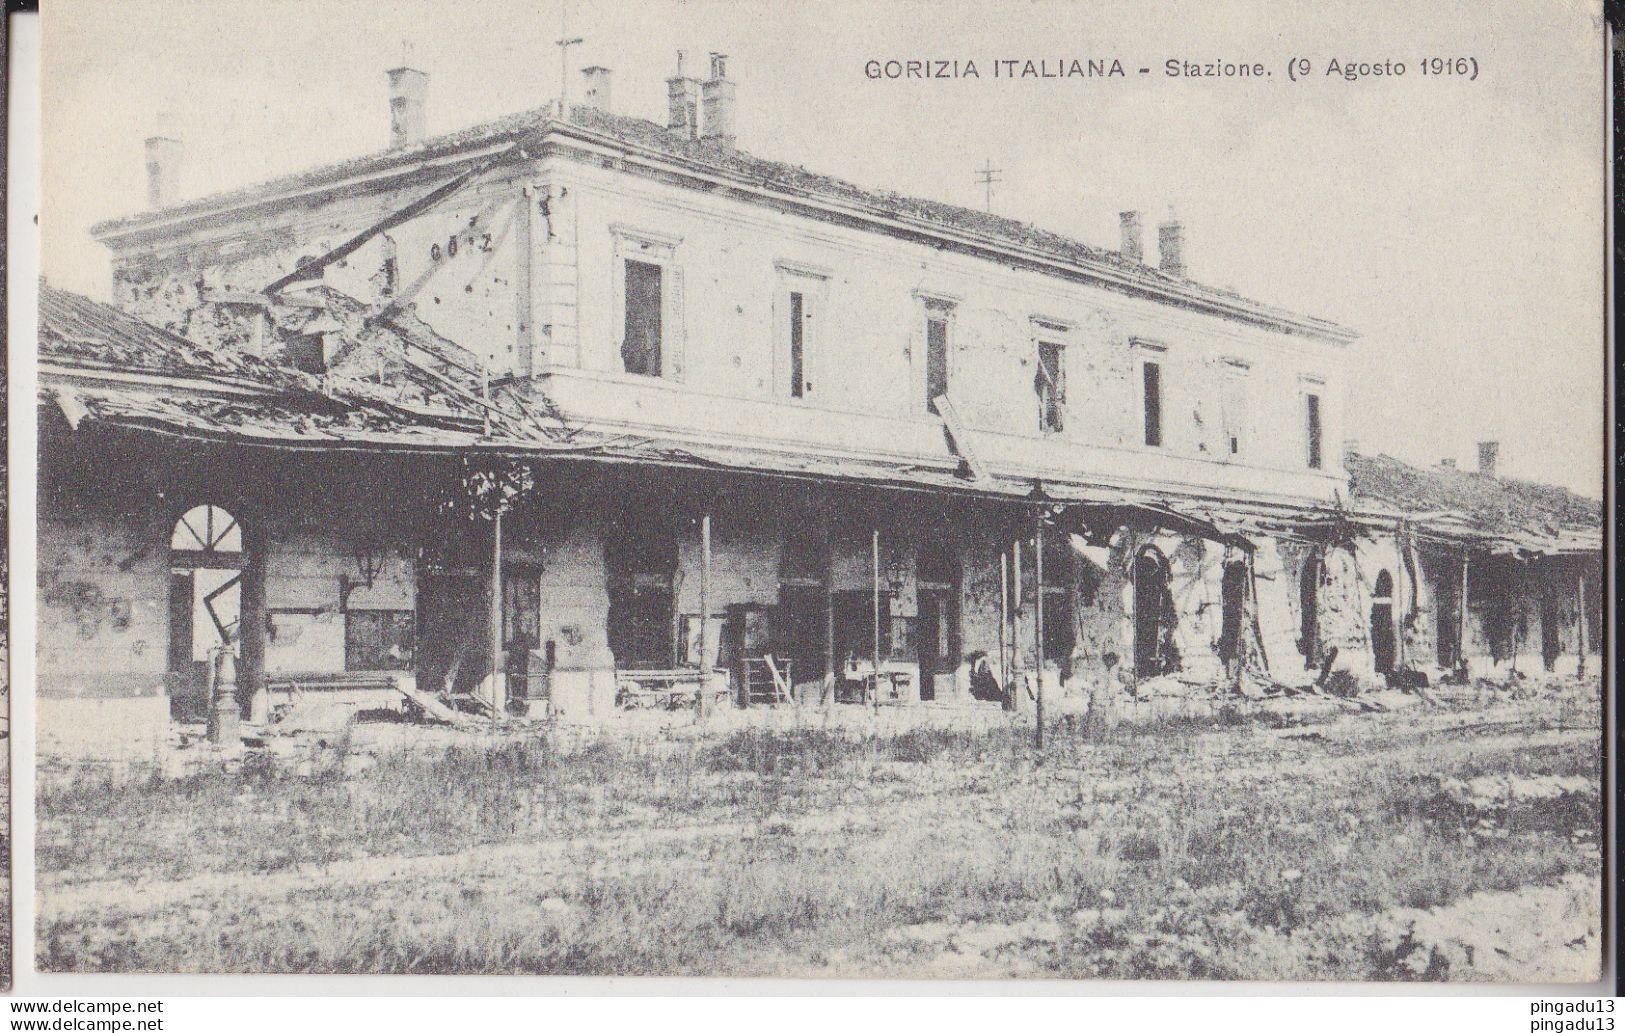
936	629
522	630
1309	611
1154	651
1551	631
1060	623
800	630
800	626
454	650
1447	631
1232	616
1382	623
641	562
937	638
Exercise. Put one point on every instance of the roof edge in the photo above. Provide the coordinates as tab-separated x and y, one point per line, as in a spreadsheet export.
451	153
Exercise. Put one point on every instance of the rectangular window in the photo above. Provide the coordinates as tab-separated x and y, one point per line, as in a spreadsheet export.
1050	383
640	351
797	310
798	345
1153	403
378	640
936	361
1235	411
1312	416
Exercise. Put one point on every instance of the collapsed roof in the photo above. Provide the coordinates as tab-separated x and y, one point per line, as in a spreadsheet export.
1520	515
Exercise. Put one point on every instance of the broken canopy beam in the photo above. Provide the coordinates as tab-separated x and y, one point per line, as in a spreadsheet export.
1154	516
311	269
959	437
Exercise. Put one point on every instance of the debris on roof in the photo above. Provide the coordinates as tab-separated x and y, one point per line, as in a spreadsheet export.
391	374
74	328
1521	516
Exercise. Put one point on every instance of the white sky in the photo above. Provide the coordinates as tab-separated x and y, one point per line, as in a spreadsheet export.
1457	225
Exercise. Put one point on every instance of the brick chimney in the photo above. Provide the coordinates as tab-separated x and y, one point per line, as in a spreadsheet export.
1131	248
595	88
1171	246
717	97
1488	453
163	169
408	89
683	103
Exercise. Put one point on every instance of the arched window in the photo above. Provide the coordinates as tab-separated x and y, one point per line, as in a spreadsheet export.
207	529
1385	586
205	600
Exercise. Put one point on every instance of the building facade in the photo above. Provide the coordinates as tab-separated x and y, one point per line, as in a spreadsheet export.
600	397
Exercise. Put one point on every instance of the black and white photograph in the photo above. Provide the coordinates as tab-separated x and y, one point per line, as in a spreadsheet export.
901	491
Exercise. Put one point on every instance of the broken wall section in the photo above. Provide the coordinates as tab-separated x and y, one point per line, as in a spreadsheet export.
463	269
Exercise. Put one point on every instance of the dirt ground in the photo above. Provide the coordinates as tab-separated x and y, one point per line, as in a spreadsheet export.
1449	840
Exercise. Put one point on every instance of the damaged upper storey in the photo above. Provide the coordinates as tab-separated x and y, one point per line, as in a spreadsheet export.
106	368
103	367
593	261
638	146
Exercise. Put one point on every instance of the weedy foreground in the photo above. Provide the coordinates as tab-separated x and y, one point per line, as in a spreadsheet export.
1438	842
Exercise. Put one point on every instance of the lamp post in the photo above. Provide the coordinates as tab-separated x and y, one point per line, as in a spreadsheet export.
224	718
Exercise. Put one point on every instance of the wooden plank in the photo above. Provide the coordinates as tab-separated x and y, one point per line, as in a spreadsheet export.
431	706
211	296
961	440
312	269
778	679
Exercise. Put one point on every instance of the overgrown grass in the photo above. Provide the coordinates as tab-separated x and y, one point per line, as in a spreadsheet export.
1195	849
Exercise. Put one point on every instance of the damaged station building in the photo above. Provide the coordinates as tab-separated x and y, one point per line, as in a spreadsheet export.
576	414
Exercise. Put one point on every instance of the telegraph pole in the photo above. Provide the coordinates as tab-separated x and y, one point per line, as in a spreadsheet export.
987	175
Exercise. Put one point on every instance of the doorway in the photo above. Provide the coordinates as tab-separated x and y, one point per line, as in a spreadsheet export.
1232	616
936	638
1383	644
936	632
1551	632
1447	630
454	647
640	559
800	631
1309	610
207	568
521	629
1154	652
